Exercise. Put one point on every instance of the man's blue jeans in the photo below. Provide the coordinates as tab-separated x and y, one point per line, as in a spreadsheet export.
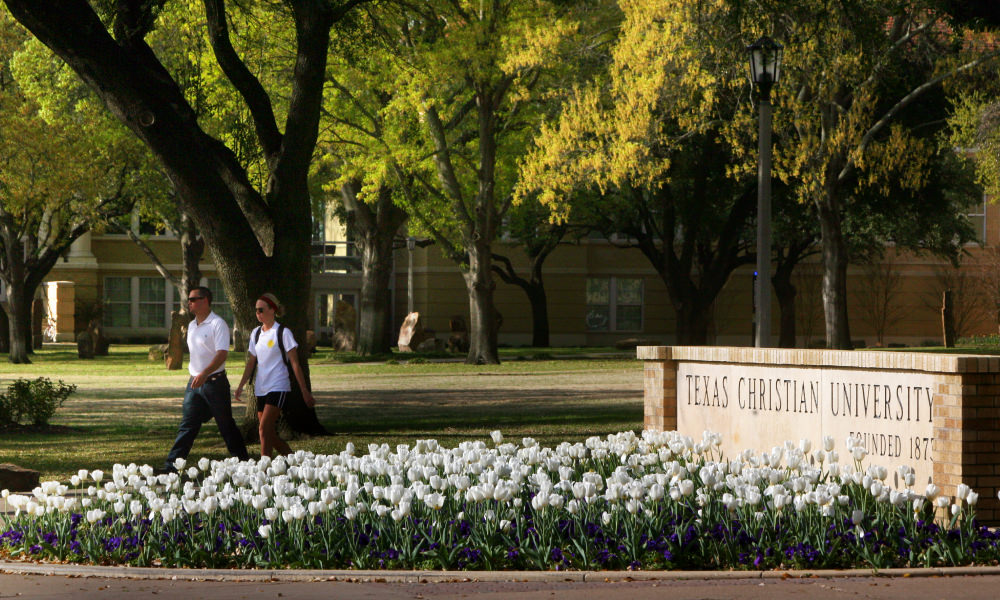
211	400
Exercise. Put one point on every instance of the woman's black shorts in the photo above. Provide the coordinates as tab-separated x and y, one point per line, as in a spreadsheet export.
273	398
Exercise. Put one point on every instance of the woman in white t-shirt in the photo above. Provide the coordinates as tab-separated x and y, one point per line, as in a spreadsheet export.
272	384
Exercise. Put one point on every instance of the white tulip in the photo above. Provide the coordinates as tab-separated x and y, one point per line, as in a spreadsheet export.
932	491
434	501
962	492
573	507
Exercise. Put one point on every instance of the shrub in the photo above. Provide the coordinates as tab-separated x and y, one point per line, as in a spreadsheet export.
32	401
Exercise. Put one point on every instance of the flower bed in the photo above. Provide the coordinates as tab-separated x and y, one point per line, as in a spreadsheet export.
659	501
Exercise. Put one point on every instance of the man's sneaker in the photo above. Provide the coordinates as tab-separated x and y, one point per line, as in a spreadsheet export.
164	470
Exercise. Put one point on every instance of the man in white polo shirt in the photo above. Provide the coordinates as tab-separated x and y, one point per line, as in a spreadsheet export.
207	394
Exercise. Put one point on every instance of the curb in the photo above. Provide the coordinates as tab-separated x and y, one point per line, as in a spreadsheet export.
276	575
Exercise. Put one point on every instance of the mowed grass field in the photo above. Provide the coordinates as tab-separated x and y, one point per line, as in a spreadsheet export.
127	408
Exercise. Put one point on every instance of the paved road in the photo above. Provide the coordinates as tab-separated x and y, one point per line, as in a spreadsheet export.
943	587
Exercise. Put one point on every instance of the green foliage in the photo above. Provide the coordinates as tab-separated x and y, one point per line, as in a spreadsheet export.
32	401
66	162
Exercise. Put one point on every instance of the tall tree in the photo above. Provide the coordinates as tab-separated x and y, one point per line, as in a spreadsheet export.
259	237
375	224
354	166
433	115
662	136
528	227
926	219
65	168
471	68
849	81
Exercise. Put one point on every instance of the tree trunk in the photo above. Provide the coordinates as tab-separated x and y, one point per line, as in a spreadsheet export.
785	292
19	315
4	332
482	312
376	271
534	288
192	249
838	333
539	315
692	323
375	226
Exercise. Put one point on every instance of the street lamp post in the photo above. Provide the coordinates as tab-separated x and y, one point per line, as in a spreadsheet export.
411	243
765	69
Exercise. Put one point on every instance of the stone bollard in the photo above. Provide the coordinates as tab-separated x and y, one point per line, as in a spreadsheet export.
458	341
345	322
85	345
175	343
101	343
411	333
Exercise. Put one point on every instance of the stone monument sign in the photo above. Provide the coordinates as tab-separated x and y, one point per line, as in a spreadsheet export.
937	413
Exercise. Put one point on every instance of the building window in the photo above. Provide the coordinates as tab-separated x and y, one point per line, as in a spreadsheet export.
152	302
220	304
117	302
977	218
138	302
614	304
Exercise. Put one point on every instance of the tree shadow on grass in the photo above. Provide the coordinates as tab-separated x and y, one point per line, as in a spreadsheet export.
435	409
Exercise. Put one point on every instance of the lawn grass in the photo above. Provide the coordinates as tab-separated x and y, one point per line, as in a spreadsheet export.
127	408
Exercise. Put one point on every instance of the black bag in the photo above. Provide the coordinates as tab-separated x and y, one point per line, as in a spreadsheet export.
300	418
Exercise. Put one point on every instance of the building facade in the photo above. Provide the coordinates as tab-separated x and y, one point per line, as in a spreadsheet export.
598	294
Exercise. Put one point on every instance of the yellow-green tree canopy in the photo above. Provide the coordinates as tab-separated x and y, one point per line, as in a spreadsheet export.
677	71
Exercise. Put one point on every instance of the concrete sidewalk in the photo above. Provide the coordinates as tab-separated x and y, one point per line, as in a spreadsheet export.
109	582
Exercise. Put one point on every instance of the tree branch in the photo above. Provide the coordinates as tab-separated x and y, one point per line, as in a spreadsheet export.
903	103
160	267
243	80
445	168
